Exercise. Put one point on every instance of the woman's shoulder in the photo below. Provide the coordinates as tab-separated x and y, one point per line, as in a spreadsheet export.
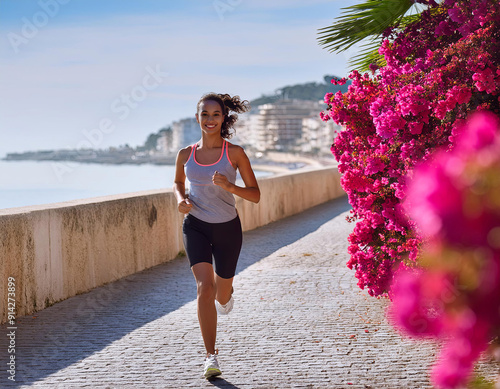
237	154
235	149
183	154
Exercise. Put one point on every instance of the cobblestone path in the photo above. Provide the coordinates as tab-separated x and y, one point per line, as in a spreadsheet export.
299	321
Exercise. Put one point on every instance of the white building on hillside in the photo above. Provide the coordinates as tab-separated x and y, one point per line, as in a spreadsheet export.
184	133
164	142
317	135
245	130
279	126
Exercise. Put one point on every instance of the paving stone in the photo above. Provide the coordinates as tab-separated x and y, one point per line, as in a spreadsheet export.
299	321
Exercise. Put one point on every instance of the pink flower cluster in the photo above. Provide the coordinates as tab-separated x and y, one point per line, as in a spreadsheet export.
485	80
438	70
454	198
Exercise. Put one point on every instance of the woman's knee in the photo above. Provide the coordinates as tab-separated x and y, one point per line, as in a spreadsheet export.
205	282
206	290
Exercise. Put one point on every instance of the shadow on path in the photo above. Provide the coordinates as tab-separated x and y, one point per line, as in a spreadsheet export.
222	383
264	241
78	327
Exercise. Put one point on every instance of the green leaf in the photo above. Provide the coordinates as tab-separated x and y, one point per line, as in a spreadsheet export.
366	57
366	22
360	21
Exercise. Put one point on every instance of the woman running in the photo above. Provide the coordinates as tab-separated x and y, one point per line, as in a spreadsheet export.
211	228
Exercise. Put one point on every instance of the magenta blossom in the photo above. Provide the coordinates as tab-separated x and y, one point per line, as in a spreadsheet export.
454	198
485	81
438	196
397	116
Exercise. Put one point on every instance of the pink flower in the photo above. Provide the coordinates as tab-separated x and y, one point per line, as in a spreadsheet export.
485	80
443	29
438	195
373	67
408	311
374	165
458	95
341	81
455	364
355	180
456	15
387	121
450	372
399	188
481	131
442	108
416	128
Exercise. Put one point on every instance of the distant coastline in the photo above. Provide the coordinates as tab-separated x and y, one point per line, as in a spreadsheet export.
273	161
115	157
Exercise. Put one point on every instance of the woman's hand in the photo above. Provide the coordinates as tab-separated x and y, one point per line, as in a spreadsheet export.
222	181
185	206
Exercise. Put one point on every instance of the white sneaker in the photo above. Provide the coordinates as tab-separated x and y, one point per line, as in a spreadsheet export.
226	308
212	366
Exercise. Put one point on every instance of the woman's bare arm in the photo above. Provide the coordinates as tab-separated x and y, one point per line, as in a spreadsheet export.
183	203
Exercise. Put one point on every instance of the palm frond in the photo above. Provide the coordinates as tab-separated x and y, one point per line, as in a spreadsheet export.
367	56
360	21
409	19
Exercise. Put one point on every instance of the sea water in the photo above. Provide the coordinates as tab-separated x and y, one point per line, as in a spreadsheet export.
24	183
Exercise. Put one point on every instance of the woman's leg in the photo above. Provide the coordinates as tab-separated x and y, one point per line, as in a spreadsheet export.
226	250
207	315
223	289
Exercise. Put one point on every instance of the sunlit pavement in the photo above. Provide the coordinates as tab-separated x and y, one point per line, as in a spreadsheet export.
299	321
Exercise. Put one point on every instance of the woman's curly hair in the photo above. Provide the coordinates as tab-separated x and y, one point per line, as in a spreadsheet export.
228	104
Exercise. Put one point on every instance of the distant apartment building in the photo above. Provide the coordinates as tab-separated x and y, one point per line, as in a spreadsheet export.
164	141
285	125
184	133
279	126
245	130
317	135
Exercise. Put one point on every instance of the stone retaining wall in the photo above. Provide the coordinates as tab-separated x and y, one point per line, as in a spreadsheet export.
60	250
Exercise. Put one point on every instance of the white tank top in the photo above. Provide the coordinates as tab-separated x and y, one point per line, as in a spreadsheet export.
211	203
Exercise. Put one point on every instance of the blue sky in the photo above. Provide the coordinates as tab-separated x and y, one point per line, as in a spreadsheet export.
110	72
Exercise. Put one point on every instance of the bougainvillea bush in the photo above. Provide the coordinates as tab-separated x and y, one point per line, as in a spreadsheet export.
455	294
439	69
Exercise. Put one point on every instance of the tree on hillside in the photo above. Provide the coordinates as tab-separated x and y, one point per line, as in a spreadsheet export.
308	91
152	139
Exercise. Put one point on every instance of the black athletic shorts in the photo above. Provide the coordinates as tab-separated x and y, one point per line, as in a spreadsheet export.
218	241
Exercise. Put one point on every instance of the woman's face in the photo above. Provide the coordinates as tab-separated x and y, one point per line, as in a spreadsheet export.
210	116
